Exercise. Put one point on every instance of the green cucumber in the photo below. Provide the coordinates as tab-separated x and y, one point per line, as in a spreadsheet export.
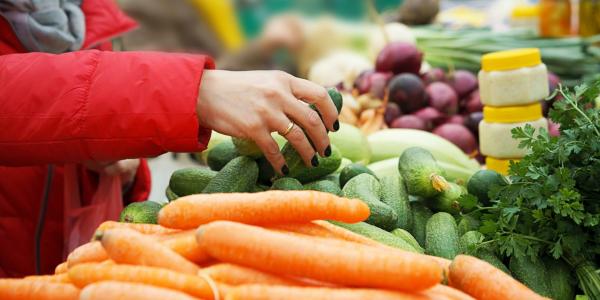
467	223
531	273
469	241
441	236
170	194
379	235
221	154
491	258
298	170
482	181
407	237
368	189
447	200
421	172
238	176
287	184
420	216
351	171
190	181
559	274
145	212
326	186
394	194
247	147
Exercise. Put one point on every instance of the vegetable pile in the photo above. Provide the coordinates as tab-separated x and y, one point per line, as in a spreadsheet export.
268	245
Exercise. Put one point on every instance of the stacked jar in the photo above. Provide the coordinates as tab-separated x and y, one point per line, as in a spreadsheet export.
511	85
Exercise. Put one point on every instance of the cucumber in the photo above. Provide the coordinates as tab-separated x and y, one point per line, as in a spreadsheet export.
190	181
238	176
468	242
247	147
407	237
326	186
482	181
304	174
258	188
379	235
559	274
447	201
441	236
367	188
467	223
489	256
394	194
287	184
421	172
141	212
221	154
351	171
170	195
420	216
532	274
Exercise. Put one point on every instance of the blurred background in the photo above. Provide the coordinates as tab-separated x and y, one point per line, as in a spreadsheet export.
337	43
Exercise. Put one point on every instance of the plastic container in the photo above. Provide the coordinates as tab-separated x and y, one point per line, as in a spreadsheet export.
495	137
525	17
513	77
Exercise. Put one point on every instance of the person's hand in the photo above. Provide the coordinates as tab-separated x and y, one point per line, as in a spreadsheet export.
126	168
253	104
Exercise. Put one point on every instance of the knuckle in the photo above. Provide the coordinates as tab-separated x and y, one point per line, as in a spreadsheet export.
296	135
313	119
253	126
322	93
271	149
271	93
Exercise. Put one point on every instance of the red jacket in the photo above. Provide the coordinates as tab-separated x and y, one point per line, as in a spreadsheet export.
88	105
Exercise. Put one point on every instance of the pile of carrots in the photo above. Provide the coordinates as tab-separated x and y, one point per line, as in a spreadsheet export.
270	245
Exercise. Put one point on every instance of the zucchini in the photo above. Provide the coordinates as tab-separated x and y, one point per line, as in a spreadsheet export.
441	236
287	184
407	237
394	194
421	172
421	215
368	189
238	176
190	181
532	274
379	235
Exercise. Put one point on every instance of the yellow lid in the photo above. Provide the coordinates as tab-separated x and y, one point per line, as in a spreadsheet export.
525	11
512	114
499	165
511	59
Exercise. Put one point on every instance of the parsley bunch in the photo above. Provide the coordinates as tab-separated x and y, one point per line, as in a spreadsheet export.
552	206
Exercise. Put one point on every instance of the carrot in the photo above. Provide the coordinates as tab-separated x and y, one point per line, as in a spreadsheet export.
185	244
445	292
444	263
62	278
325	229
130	291
90	252
236	275
61	268
86	274
131	247
340	262
269	207
484	281
141	228
271	292
36	290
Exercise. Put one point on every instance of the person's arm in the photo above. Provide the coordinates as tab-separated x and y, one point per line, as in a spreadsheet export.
98	106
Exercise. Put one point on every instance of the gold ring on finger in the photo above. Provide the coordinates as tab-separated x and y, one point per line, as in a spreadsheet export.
288	129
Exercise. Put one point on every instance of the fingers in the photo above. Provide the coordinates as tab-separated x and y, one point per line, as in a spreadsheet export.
298	139
270	149
317	95
308	119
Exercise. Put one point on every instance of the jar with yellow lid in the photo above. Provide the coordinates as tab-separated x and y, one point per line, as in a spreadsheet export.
513	77
495	137
525	16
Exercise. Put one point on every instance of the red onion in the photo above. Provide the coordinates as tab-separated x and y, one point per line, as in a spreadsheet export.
442	97
408	121
399	57
459	135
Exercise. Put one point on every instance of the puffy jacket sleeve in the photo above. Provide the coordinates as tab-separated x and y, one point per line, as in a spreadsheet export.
95	105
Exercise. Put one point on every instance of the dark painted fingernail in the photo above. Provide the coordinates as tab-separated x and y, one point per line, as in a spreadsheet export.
285	170
328	151
314	161
336	125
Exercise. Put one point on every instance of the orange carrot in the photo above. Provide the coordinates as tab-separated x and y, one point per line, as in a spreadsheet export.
90	252
443	262
271	292
484	281
325	229
185	244
269	207
336	261
85	274
141	228
131	247
20	289
62	278
445	292
236	275
61	268
130	291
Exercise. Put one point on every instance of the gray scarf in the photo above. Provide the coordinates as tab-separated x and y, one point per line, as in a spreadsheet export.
53	26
